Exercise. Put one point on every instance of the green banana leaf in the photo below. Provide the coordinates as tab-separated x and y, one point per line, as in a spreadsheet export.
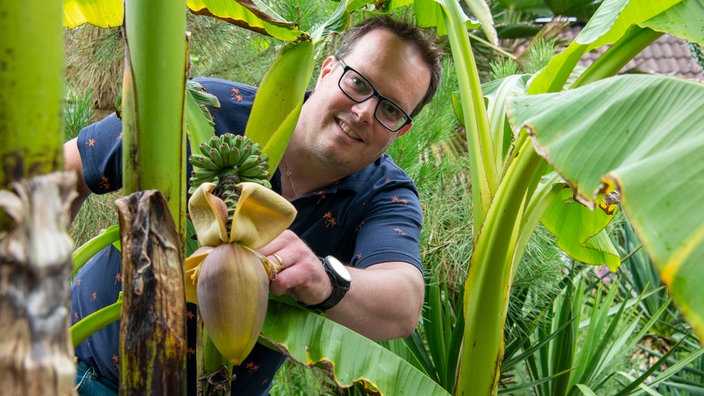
671	21
101	13
429	13
246	14
279	99
350	357
199	122
480	10
339	20
580	232
609	23
640	136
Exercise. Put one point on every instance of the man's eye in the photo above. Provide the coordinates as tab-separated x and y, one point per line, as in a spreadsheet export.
390	110
359	84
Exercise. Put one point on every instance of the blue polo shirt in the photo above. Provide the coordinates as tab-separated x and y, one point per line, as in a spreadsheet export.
366	218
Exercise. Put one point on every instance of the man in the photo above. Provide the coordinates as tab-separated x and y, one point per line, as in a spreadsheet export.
354	204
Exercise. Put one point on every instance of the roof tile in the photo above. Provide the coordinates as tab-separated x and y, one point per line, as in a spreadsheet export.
668	55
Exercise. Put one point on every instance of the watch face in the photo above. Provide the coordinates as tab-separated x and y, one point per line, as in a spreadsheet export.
339	268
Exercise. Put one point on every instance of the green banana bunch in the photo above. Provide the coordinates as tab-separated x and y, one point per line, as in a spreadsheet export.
229	156
228	160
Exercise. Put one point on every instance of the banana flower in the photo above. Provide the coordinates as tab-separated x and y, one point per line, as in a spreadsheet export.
226	276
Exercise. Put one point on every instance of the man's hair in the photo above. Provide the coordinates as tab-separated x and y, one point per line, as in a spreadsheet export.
426	45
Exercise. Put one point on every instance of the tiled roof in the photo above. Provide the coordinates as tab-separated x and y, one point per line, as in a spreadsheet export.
668	55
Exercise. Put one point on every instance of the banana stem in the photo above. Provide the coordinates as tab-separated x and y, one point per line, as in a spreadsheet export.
216	371
488	281
96	321
96	244
618	55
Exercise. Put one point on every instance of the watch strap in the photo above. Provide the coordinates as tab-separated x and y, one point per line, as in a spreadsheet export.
339	289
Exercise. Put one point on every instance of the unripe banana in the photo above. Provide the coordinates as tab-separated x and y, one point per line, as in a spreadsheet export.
235	140
246	149
202	161
232	289
251	161
213	142
235	155
258	180
201	175
216	156
255	171
227	157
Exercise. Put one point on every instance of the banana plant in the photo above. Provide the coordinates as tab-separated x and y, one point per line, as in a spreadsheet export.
508	200
271	131
507	196
152	216
35	246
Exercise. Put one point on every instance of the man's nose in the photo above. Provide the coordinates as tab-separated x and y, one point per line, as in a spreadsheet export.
365	110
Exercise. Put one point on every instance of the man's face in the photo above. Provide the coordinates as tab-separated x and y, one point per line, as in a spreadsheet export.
333	130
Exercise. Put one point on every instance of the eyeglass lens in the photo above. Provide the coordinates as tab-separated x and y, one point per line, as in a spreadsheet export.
359	89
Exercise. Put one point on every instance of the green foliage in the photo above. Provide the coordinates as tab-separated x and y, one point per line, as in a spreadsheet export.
78	112
638	276
536	284
94	62
294	379
540	53
583	337
432	154
503	67
219	49
697	52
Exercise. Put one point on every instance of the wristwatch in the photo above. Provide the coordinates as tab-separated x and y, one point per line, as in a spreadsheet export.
339	278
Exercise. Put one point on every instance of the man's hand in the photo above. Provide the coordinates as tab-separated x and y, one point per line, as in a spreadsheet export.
302	275
384	300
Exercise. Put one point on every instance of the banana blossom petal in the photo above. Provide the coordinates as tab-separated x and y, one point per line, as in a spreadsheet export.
193	263
261	215
208	214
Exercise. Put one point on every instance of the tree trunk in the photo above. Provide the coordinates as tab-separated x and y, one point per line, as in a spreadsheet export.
153	324
36	355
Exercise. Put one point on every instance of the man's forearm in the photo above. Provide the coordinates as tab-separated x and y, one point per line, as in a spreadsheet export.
384	301
73	163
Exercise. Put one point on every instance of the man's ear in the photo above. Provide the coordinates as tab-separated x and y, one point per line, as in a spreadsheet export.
403	130
328	65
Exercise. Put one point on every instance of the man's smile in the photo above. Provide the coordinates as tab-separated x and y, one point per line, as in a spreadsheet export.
348	130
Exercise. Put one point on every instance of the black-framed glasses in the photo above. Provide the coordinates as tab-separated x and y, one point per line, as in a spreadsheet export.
390	115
